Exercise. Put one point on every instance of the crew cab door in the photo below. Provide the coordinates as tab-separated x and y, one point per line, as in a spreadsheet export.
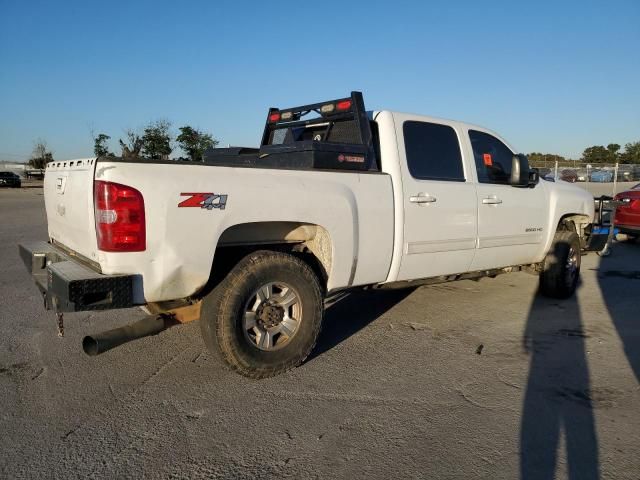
511	220
440	205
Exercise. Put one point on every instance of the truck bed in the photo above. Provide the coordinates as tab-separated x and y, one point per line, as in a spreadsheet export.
353	210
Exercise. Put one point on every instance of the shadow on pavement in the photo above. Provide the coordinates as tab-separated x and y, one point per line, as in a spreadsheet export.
558	398
353	312
619	280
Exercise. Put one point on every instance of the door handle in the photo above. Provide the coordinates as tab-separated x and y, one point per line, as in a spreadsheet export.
492	200
422	199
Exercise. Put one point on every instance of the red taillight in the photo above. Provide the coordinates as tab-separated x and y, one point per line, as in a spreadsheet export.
344	105
627	200
274	117
119	212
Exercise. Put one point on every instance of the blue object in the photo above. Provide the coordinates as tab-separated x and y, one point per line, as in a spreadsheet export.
602	176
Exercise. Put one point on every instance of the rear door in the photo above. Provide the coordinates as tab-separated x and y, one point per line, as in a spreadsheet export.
439	200
68	195
511	220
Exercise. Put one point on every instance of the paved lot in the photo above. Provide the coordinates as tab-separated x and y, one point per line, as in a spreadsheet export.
597	189
449	381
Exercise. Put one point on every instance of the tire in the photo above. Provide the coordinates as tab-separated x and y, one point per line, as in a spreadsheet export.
264	317
561	266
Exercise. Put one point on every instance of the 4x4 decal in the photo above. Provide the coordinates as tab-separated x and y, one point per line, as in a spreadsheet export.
204	200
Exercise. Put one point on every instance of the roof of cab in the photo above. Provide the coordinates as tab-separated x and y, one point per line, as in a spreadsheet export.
445	121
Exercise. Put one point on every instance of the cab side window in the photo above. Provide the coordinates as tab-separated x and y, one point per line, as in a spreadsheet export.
493	158
433	151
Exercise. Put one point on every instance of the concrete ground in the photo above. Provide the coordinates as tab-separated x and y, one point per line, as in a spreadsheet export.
463	380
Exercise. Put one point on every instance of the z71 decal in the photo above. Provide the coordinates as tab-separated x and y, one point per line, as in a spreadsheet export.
204	200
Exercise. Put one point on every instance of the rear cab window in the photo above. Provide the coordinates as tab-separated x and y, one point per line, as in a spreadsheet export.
433	151
492	157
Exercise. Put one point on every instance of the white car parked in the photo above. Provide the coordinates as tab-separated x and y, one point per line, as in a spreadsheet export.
346	199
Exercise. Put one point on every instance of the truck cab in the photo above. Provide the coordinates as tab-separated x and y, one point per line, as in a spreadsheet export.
458	177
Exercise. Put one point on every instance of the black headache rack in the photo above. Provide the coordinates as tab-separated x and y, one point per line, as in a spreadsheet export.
338	138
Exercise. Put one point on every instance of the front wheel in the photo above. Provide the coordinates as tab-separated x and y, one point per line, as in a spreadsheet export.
561	266
264	317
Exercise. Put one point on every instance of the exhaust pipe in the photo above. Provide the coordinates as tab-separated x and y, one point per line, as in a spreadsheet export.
101	342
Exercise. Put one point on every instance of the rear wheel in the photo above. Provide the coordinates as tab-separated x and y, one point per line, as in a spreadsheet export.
264	317
561	266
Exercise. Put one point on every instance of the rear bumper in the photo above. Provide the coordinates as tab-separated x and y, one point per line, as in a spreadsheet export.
70	286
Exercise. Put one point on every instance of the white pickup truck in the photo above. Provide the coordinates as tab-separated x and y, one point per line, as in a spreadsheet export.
345	199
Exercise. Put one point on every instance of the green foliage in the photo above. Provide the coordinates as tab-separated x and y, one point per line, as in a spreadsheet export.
631	153
156	140
536	158
195	142
599	154
613	148
612	154
40	156
132	147
100	148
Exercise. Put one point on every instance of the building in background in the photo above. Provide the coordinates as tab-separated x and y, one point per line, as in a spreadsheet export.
16	167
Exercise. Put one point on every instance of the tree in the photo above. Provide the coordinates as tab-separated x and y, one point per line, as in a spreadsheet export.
133	146
631	153
156	140
613	149
596	154
536	158
100	149
195	142
40	156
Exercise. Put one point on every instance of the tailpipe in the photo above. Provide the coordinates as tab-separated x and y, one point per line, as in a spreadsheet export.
101	342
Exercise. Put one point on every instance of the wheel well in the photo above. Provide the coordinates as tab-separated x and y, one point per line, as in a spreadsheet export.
577	223
309	242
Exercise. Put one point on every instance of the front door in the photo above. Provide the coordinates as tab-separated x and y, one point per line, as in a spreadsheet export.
511	220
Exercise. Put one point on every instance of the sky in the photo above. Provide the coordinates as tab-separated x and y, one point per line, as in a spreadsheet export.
549	76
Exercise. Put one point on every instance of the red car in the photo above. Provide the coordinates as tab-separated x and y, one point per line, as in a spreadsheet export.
627	218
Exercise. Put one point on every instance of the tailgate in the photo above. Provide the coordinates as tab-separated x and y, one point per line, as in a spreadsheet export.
68	197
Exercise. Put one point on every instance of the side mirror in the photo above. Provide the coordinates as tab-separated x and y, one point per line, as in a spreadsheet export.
520	172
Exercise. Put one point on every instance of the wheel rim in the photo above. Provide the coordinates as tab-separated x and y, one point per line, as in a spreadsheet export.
573	264
272	316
